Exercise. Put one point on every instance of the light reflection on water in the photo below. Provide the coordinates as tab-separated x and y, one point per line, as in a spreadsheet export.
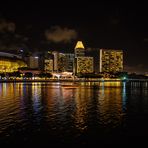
46	110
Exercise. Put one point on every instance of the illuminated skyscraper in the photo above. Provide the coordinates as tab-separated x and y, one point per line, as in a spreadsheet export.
33	62
55	61
85	65
111	60
65	62
48	67
79	49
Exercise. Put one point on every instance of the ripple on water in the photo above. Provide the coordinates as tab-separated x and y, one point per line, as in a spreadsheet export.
84	114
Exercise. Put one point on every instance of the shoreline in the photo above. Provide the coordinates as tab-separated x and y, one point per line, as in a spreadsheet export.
76	80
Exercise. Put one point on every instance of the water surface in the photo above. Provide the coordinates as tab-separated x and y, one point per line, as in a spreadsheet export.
65	113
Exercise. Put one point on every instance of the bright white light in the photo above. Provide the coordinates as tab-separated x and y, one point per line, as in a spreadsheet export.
124	78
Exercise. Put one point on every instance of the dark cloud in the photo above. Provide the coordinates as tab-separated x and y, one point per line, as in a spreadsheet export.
58	34
10	40
6	26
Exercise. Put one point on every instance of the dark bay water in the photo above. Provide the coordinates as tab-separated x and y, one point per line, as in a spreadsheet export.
69	114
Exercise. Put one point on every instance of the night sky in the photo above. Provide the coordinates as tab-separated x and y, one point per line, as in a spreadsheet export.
37	26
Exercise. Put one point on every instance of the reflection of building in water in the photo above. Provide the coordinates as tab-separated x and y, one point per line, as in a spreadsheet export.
36	97
110	105
68	93
124	97
82	98
9	101
53	97
111	84
6	90
59	104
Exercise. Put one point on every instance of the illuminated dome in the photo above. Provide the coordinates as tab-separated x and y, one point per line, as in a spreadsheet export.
10	62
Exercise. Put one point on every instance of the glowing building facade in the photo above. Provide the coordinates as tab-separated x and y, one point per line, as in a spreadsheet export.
33	62
65	62
48	65
55	61
111	60
79	49
84	65
10	62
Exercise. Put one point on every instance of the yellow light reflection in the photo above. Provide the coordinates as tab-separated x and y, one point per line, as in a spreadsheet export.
36	96
110	105
83	97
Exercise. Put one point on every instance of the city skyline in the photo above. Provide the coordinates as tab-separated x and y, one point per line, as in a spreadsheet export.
37	26
73	73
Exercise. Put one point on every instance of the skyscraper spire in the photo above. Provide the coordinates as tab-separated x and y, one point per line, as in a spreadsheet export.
79	45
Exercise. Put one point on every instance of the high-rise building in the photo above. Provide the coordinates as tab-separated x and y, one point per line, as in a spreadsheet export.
93	52
70	62
33	62
48	65
55	61
111	60
84	65
65	62
79	49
